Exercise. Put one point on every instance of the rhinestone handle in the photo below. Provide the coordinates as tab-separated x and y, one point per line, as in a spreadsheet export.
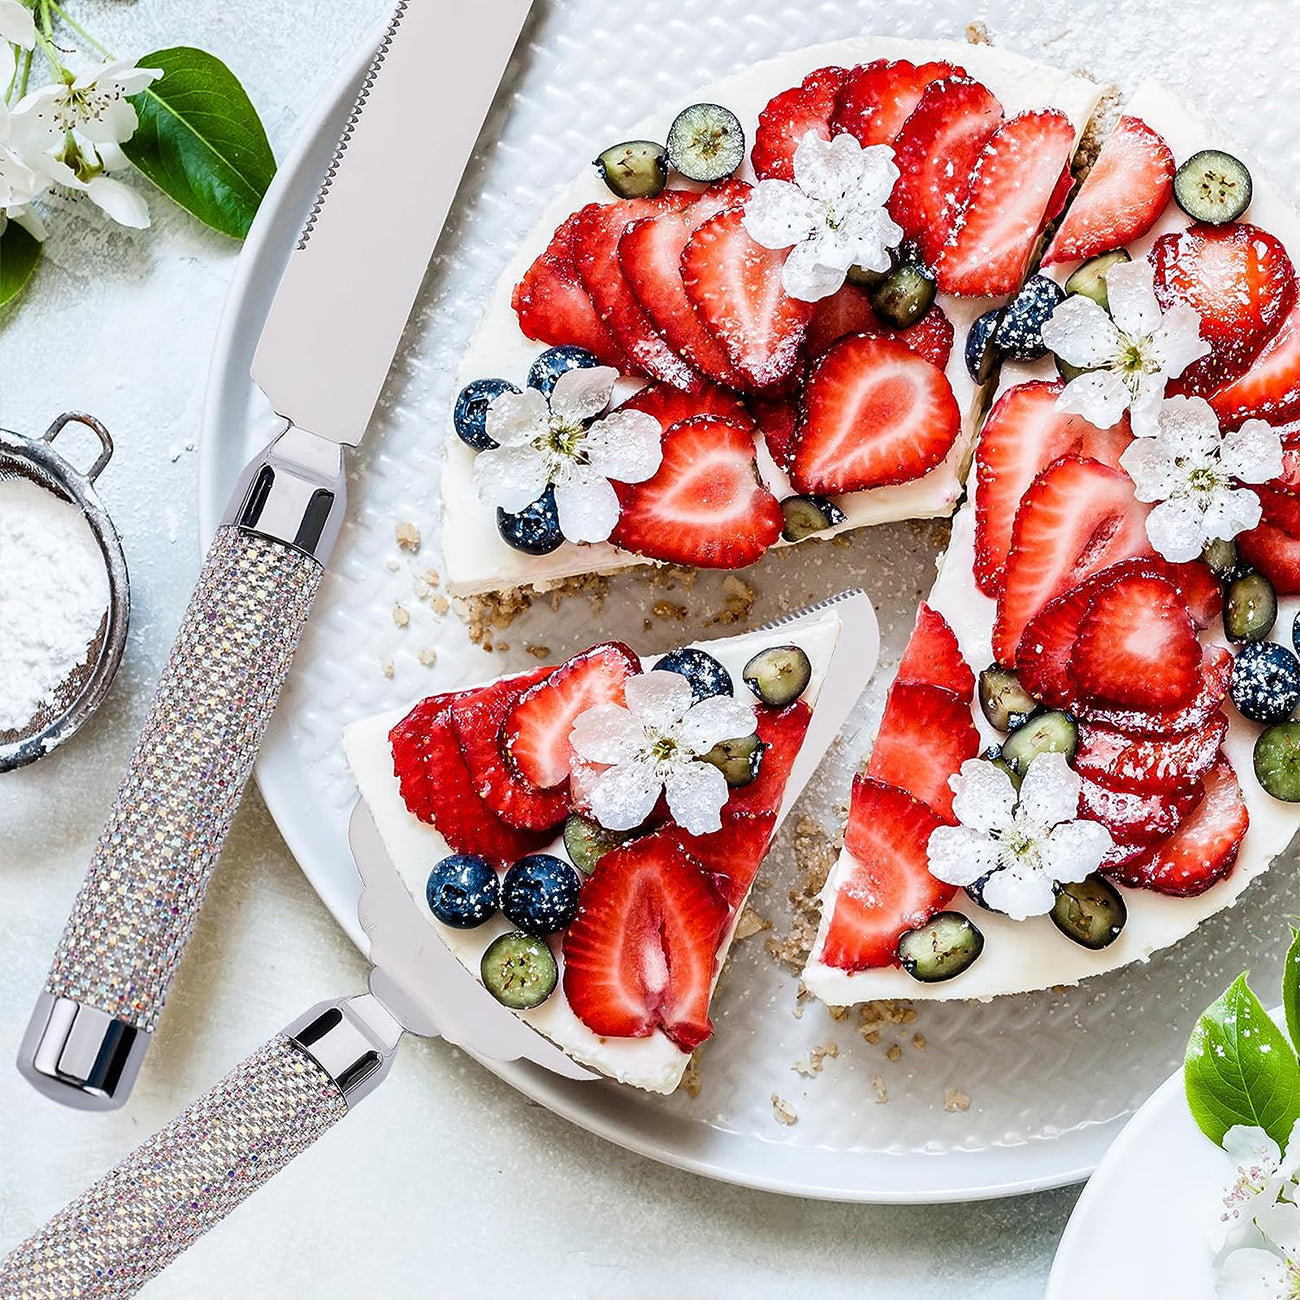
136	908
188	1176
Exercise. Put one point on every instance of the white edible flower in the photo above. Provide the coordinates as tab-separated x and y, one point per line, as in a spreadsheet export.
656	744
1129	354
17	27
831	216
1261	1255
1192	468
1262	1171
19	185
1018	847
561	442
1253	1273
69	133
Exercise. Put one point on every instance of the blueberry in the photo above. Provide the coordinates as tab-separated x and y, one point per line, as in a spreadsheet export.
470	415
1020	335
540	894
554	362
1265	682
982	352
705	674
463	890
535	530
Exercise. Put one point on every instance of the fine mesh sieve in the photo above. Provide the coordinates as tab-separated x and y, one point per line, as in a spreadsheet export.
80	694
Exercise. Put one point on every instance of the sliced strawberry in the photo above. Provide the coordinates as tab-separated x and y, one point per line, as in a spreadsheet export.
1078	517
1201	591
933	656
925	736
1273	545
705	504
596	234
554	307
1216	673
1128	187
849	311
873	413
735	285
879	97
1150	764
790	116
1204	847
1239	281
782	732
536	731
1010	194
777	419
1270	387
1137	647
670	405
733	854
936	152
641	953
478	717
1023	434
650	256
1134	817
889	888
437	788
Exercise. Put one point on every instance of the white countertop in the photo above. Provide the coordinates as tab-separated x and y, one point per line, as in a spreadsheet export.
446	1181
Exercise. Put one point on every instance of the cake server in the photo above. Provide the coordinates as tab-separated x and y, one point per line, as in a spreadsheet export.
189	1175
324	353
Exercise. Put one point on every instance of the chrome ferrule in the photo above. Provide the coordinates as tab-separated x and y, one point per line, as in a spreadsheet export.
294	492
354	1040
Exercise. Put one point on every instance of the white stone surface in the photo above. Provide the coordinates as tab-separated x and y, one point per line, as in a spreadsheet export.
445	1182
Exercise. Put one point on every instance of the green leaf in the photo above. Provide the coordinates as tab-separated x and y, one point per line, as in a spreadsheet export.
1291	987
19	253
1239	1069
200	139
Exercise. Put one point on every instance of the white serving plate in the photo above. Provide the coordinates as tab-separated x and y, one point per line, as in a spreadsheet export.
1051	1077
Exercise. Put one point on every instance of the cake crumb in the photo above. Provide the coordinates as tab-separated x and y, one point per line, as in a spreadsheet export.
750	924
426	583
669	609
537	651
386	667
977	33
440	604
955	1099
815	1061
878	1085
894	1052
428	657
690	1082
738	600
814	855
783	1111
918	1041
400	616
408	536
393	566
837	1013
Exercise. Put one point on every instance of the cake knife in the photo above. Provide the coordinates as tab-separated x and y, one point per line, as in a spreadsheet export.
189	1175
324	352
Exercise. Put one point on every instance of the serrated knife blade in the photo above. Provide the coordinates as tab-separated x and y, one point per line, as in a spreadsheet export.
350	283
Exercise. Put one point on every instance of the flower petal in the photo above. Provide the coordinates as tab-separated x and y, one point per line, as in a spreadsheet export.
516	419
810	277
1250	1274
1019	893
716	719
1230	511
1074	850
625	445
1178	342
583	392
1190	428
510	477
119	201
983	796
17	24
1252	453
1080	332
1248	1144
959	855
1130	289
1152	467
586	504
1049	792
1100	396
779	214
607	733
659	699
1176	528
696	794
624	795
1148	395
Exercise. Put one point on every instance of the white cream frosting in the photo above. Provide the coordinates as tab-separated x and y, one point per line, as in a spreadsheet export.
655	1062
1020	956
476	558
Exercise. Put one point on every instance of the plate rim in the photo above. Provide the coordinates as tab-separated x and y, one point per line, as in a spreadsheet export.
877	1177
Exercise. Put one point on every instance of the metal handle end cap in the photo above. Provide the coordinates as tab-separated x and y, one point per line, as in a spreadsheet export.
80	1056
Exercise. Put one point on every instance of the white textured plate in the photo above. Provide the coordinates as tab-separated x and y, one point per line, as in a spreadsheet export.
1050	1077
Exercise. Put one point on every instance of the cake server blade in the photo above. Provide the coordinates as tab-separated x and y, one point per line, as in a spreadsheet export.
349	285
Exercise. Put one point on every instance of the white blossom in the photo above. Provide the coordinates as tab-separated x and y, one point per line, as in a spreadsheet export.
17	27
19	184
1192	469
1260	1258
562	442
1129	355
831	216
657	744
1017	847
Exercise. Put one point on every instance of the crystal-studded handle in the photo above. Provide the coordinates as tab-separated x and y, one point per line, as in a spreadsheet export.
143	1213
136	908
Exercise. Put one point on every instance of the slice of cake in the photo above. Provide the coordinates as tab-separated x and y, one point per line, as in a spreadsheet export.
1088	748
772	346
583	837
